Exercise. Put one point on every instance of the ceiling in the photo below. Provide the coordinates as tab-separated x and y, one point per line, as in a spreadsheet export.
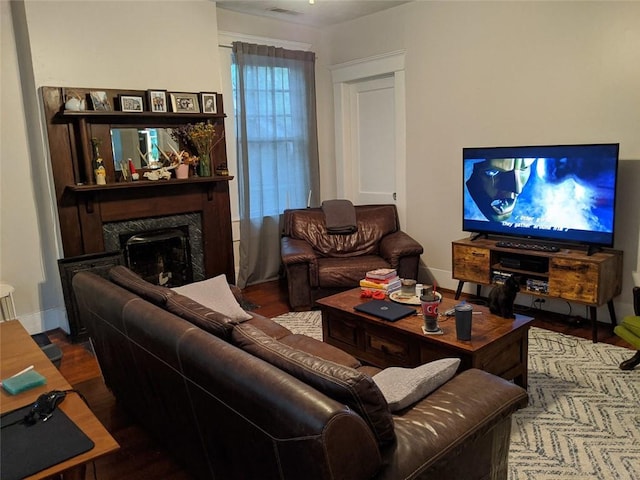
322	13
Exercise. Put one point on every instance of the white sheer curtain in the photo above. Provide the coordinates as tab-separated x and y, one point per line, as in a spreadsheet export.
277	147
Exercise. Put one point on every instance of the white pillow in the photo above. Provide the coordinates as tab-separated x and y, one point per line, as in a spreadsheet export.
214	293
403	386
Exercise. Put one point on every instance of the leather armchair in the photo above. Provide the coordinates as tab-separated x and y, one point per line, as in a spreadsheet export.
318	263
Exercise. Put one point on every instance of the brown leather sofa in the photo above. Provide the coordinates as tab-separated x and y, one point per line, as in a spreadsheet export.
317	263
248	400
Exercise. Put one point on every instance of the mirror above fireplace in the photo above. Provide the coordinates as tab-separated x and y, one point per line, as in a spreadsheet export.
136	143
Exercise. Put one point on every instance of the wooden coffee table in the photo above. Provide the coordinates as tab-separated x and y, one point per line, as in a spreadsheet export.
498	345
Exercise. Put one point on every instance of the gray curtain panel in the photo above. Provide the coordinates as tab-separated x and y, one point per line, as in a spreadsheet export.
277	147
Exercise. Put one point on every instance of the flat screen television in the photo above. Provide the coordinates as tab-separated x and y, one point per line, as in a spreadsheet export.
557	193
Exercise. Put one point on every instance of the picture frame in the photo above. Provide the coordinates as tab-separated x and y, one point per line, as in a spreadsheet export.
131	103
100	101
157	100
184	102
209	102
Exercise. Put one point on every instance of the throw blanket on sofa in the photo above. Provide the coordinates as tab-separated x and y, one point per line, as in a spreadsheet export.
340	217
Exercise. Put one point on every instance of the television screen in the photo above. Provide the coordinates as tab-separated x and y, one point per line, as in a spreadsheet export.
562	193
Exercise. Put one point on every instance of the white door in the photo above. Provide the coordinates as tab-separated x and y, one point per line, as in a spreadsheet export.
373	168
370	130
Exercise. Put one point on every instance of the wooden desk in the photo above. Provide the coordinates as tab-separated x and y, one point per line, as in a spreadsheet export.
17	351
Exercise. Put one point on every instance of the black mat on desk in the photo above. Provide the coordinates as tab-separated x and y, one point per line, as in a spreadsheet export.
29	449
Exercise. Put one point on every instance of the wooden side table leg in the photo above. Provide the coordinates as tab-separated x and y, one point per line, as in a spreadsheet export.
459	289
612	313
593	313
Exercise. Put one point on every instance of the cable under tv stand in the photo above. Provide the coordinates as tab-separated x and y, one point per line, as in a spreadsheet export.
592	278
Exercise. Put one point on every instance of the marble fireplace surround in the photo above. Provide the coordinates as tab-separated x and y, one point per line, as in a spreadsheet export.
113	230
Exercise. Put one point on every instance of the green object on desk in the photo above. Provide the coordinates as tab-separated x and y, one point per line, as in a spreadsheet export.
22	382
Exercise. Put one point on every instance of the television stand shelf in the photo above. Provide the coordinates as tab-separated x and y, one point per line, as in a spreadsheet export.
590	279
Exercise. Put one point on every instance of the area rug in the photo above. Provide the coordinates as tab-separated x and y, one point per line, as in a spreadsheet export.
583	418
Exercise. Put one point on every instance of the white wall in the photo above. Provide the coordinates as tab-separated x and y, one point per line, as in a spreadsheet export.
26	226
507	73
477	73
169	45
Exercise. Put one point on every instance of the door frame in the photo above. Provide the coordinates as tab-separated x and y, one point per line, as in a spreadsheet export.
343	76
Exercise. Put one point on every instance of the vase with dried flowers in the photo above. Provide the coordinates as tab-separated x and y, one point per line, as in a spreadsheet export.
200	139
181	163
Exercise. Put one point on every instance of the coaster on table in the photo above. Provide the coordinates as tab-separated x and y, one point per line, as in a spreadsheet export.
439	331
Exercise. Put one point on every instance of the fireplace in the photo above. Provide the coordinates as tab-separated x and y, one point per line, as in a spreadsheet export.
92	217
159	246
161	257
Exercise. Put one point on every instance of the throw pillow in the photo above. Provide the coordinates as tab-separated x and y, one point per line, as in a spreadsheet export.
215	294
405	386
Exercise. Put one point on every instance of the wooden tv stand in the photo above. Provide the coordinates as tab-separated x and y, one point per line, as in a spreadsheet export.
568	274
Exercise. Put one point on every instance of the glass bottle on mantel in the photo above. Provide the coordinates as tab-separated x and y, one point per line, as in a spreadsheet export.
98	164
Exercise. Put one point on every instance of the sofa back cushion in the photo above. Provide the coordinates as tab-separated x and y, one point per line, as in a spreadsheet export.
203	317
374	222
128	279
343	384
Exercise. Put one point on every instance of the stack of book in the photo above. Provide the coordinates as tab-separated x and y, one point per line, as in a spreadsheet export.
383	279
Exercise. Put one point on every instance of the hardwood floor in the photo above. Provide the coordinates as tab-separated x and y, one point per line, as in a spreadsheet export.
141	457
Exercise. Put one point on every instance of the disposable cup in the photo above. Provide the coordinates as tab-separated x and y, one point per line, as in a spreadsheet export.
429	304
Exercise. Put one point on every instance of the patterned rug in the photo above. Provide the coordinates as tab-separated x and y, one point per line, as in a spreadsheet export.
583	418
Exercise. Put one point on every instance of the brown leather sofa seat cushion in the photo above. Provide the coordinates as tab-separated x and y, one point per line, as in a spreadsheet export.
337	272
343	384
373	224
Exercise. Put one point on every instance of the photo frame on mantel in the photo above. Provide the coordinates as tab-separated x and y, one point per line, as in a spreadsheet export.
209	103
157	100
131	103
184	103
100	101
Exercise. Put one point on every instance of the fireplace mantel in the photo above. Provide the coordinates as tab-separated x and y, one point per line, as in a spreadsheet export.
84	208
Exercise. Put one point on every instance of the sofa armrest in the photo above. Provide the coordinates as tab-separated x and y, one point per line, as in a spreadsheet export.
397	245
451	422
295	251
